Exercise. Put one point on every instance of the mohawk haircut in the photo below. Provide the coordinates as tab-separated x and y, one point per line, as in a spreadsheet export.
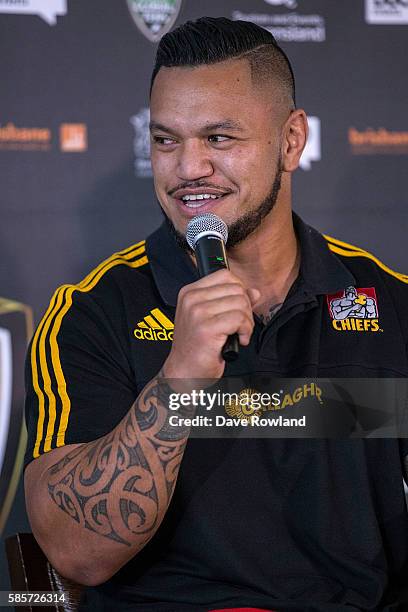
210	40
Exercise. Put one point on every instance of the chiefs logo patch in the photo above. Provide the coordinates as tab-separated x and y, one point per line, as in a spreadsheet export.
354	309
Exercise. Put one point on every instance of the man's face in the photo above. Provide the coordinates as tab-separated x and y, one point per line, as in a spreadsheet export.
215	142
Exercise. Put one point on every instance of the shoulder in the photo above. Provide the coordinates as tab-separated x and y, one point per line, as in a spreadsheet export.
364	264
116	268
128	268
103	292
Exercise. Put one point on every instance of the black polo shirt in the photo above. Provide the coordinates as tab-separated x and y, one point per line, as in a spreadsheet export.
287	524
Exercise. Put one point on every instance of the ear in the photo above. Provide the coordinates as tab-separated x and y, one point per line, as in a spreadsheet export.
294	139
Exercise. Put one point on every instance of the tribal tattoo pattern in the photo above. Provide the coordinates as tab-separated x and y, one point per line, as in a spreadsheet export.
120	485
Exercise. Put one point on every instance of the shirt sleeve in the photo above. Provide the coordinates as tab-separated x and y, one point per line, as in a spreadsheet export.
79	379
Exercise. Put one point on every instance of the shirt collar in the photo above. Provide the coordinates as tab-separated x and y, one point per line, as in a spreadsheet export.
321	272
171	267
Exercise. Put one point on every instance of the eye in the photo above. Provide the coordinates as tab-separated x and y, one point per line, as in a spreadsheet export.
219	138
163	140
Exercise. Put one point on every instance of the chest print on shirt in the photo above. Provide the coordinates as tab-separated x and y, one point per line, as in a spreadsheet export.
354	309
154	326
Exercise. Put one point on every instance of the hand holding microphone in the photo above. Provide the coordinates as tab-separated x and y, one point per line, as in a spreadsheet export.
207	235
213	312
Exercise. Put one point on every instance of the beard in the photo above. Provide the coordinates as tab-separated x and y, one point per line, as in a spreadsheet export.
244	226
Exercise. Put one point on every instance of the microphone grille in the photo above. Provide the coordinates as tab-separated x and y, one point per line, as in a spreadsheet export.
207	224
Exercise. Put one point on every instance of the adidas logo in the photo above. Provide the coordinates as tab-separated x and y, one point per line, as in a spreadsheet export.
156	326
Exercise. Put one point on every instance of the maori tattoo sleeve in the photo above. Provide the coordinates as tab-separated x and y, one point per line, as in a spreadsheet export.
120	485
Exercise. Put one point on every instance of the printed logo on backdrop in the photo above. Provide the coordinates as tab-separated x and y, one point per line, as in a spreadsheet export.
16	327
289	3
288	27
391	12
15	138
378	142
46	9
141	143
154	18
312	150
73	137
6	388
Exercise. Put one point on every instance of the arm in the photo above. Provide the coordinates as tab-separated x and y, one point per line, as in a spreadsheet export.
93	506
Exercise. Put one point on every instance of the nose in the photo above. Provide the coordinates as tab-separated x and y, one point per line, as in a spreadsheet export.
194	160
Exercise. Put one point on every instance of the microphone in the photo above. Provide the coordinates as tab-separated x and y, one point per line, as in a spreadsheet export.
207	235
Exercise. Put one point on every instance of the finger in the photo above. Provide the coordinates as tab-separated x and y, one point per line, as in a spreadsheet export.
216	278
254	295
231	322
209	308
202	294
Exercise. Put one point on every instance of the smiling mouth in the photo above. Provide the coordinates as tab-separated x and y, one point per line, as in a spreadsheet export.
198	200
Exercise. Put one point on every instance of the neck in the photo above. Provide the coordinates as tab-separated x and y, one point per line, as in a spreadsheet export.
269	259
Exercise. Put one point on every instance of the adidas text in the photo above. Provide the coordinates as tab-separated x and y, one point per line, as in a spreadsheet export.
152	334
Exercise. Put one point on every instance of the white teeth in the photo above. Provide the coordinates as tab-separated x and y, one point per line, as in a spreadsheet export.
199	196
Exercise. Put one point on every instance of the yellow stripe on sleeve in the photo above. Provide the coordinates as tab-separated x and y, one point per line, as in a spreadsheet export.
37	388
52	319
52	404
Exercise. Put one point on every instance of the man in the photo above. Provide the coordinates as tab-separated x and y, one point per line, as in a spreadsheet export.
283	524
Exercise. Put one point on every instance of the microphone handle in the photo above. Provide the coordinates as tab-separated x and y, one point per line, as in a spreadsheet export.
211	256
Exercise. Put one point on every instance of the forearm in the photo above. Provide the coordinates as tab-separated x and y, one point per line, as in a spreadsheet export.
104	500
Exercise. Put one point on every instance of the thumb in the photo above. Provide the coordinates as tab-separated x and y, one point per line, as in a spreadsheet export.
254	295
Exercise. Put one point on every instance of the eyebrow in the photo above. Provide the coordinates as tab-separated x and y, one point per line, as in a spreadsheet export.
158	126
227	124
